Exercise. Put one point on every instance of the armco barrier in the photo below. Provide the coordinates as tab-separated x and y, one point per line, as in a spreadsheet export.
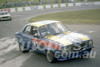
20	9
78	4
55	5
40	7
97	3
27	8
63	5
49	6
12	10
70	4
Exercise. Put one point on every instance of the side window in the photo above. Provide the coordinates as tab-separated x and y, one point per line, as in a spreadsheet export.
27	30
35	32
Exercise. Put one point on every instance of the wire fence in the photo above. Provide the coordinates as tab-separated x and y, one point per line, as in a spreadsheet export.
22	3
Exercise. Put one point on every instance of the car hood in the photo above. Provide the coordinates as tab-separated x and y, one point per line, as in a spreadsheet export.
68	38
4	15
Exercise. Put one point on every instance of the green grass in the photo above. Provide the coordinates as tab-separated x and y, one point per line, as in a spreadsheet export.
72	17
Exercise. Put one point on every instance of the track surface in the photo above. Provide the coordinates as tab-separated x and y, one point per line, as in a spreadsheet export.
10	56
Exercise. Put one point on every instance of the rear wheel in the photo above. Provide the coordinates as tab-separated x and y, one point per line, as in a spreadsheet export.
22	48
50	56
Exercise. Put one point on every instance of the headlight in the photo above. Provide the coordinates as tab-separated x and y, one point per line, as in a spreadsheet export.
9	17
90	43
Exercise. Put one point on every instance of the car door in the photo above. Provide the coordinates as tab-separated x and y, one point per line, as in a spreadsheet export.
27	36
37	41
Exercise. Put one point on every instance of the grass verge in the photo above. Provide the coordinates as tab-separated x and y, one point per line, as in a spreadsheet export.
72	17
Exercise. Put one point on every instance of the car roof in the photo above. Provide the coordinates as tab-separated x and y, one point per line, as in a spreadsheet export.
3	12
42	23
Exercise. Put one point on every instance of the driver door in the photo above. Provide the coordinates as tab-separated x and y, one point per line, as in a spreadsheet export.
37	41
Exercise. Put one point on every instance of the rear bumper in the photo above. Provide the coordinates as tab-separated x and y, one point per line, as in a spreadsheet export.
75	55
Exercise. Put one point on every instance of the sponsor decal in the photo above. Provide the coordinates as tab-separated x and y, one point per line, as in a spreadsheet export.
69	54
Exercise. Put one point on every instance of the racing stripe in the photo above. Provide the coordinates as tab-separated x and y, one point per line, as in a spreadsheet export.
63	41
81	36
68	38
84	38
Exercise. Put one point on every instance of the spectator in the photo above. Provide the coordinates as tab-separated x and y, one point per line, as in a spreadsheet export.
23	3
59	1
3	4
56	1
31	2
86	0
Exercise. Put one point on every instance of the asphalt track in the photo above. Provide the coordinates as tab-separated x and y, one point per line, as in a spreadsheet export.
10	56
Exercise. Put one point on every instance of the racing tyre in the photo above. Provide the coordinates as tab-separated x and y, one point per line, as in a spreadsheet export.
22	48
50	56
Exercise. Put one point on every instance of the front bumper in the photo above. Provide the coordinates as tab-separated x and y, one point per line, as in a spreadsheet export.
75	54
8	18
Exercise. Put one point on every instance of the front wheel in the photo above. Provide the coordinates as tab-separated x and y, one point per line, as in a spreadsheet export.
22	48
50	56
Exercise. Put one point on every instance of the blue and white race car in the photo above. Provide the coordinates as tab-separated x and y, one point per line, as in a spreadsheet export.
54	40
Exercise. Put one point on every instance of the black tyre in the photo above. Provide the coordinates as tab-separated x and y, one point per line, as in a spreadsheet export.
50	56
22	48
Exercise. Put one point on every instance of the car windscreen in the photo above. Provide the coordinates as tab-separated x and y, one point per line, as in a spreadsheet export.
3	13
51	29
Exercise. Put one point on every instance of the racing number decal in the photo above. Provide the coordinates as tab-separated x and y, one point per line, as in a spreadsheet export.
38	45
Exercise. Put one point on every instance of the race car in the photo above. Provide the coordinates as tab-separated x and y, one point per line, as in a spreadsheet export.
53	39
5	16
